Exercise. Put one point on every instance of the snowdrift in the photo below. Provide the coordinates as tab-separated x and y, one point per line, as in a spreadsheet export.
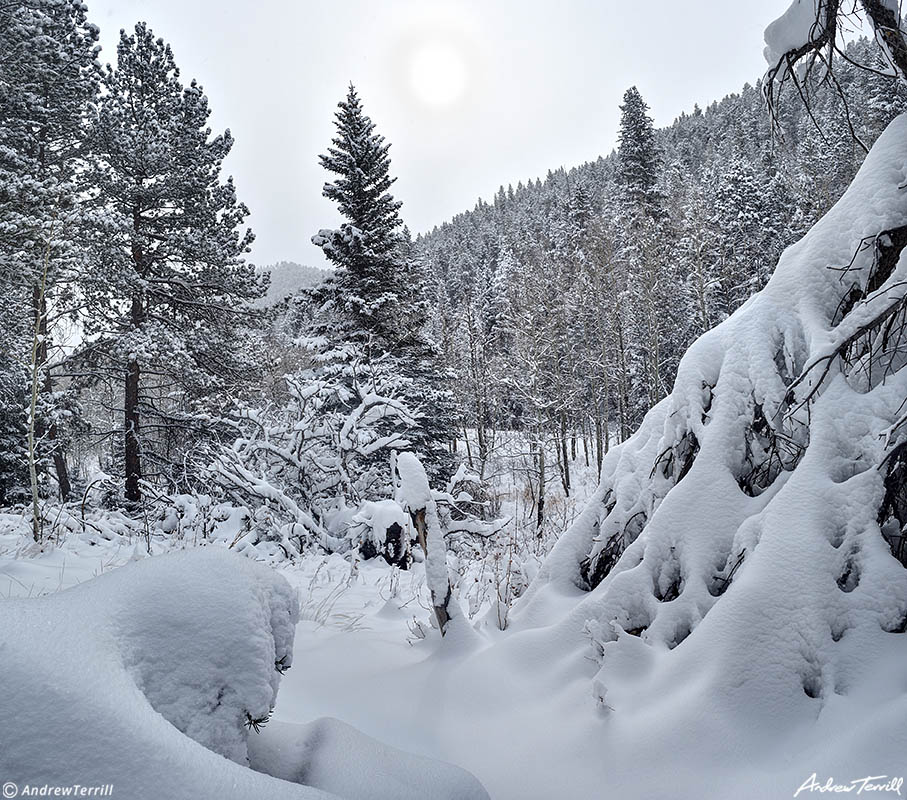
152	678
736	569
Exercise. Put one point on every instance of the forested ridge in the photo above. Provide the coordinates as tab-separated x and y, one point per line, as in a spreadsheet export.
559	316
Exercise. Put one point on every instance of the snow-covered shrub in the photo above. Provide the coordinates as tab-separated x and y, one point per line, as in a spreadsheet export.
198	637
308	462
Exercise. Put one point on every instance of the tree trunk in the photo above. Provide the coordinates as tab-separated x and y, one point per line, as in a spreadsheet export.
60	466
39	306
598	444
414	494
132	466
468	448
38	342
566	460
132	450
33	406
623	400
540	502
442	614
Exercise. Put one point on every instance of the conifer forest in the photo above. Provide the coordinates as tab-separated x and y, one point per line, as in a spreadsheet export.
595	487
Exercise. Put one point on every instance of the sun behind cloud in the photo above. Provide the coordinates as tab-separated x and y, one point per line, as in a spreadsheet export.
438	73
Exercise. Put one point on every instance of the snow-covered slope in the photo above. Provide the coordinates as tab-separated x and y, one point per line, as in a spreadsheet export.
744	592
286	278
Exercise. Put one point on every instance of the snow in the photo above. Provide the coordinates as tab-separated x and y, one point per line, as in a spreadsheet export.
776	656
146	678
747	638
142	677
791	30
779	627
376	517
320	754
415	495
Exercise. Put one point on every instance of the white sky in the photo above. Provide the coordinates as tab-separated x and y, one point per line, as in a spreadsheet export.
471	93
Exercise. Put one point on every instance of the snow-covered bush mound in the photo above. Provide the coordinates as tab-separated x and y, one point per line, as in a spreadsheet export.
153	677
741	555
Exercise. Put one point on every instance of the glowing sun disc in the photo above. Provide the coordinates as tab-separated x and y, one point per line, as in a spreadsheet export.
438	74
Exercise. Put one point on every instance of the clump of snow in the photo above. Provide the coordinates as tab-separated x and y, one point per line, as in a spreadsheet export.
373	520
145	677
791	30
149	678
208	657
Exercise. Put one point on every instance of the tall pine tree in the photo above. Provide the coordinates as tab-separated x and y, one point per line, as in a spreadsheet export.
648	304
48	79
171	292
374	318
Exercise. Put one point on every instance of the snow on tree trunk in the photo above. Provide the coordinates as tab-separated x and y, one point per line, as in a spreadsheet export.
414	495
757	514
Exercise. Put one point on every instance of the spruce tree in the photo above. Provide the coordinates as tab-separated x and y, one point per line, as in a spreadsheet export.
374	319
366	248
638	157
172	288
648	307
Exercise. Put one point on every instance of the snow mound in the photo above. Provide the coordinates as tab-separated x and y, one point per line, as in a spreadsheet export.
154	676
319	754
739	556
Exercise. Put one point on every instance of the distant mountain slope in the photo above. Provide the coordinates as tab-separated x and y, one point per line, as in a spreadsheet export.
288	277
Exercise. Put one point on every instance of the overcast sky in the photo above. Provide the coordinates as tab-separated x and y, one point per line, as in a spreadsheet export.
472	94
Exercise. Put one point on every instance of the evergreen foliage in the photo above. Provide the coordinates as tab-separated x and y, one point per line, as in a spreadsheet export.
371	333
170	290
48	80
628	258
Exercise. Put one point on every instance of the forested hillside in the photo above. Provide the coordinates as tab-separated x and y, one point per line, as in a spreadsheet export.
563	316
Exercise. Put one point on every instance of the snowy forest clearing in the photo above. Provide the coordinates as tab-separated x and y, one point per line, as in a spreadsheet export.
246	550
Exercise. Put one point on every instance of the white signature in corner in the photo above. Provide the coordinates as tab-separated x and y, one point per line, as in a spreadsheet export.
871	783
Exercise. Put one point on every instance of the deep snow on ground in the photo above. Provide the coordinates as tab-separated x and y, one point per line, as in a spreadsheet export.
518	710
148	679
752	632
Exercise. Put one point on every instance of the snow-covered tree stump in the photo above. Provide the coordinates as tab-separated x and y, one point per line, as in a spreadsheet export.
414	495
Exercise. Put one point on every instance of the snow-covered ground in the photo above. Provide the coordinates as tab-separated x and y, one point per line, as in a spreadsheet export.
516	708
153	678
